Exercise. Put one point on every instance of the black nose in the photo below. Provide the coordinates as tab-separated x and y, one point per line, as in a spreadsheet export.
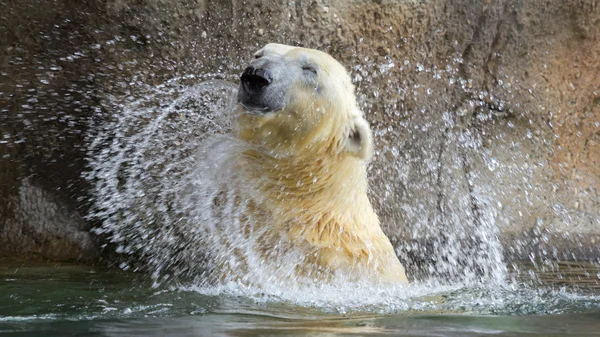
254	79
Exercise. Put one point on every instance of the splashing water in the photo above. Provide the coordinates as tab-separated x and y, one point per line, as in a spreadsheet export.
170	203
169	196
151	146
431	180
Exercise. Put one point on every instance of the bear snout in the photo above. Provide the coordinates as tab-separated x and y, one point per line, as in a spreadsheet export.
262	88
255	79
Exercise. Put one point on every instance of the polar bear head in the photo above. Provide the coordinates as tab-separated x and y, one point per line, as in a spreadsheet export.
293	100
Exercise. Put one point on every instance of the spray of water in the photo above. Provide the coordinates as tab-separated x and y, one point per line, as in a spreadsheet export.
168	198
139	160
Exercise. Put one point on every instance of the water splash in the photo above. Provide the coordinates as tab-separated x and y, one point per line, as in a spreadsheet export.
168	199
138	161
427	172
172	198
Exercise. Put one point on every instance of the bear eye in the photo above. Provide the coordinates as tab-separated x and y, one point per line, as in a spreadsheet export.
309	68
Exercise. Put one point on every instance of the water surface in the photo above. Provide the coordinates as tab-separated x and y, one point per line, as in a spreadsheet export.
58	300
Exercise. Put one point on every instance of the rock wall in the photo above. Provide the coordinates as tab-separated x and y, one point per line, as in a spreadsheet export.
47	94
486	113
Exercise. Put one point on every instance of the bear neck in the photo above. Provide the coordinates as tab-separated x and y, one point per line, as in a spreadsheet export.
313	185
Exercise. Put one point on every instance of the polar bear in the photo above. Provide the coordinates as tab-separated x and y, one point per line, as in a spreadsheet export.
307	146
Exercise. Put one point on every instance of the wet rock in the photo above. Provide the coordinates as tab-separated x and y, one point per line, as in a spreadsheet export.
44	228
47	97
485	113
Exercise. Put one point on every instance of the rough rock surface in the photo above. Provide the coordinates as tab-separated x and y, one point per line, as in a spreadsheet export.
484	111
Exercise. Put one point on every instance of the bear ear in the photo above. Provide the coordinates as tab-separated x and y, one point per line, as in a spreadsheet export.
360	139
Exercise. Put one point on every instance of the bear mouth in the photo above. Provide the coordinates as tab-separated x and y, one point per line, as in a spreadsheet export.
252	109
255	83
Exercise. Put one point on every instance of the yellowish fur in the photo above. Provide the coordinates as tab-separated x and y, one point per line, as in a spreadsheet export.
312	177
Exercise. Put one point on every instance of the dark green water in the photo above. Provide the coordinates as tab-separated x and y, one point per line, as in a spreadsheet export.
92	301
